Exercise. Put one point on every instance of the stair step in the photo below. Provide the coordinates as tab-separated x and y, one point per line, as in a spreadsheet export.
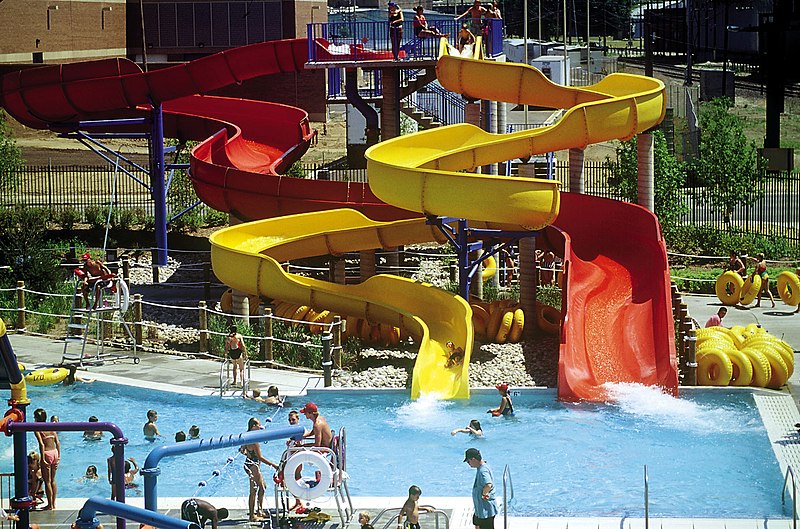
81	326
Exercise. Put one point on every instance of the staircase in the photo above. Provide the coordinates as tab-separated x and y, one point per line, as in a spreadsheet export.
423	120
105	305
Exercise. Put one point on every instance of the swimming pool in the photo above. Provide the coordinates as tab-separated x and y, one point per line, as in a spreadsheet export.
707	453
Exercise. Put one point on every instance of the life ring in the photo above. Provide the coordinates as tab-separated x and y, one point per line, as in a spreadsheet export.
750	289
306	489
47	376
548	318
123	296
226	302
714	368
489	268
729	287
789	288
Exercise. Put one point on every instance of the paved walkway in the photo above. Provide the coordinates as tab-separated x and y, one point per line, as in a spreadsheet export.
201	376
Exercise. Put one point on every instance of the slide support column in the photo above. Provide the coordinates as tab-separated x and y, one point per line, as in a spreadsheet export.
646	170
576	180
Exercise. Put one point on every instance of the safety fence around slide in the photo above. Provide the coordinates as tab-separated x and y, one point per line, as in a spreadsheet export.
775	211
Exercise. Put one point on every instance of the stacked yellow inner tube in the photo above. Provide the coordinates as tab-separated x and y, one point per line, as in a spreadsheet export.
503	321
373	333
742	356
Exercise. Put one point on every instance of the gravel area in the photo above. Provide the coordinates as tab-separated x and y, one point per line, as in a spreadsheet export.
530	363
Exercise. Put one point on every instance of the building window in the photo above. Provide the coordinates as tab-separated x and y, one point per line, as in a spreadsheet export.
50	10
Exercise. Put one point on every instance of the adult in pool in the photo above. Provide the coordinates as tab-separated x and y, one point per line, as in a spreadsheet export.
252	466
506	407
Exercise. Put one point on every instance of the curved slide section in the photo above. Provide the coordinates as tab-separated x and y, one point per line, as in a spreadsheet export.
247	143
618	324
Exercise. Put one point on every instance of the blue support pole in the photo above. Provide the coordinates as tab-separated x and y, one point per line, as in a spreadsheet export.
150	469
157	185
22	501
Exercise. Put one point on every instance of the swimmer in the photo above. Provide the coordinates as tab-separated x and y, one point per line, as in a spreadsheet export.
130	472
91	472
150	429
506	407
194	432
473	428
93	435
363	519
180	436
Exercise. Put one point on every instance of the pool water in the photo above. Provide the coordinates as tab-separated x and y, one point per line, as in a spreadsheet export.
707	453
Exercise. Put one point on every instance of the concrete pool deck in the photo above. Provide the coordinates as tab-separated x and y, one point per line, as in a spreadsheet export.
201	376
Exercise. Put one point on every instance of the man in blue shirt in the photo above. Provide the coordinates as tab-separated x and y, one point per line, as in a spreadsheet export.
482	490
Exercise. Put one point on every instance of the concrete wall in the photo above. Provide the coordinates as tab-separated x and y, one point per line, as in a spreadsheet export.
78	30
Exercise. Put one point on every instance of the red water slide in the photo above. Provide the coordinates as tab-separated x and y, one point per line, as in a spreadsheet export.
247	144
618	307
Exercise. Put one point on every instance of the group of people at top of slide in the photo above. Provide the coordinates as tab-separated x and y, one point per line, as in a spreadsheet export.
474	25
738	263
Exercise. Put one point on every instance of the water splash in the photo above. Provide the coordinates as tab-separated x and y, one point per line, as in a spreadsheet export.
425	413
653	405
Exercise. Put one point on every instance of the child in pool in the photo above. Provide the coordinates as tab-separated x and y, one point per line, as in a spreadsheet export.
91	472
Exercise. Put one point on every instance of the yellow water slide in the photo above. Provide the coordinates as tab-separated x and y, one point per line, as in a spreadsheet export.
430	172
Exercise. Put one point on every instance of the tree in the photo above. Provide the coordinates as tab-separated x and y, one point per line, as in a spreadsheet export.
10	156
727	165
670	177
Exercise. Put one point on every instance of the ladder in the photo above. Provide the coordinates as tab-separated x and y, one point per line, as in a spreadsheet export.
226	386
106	303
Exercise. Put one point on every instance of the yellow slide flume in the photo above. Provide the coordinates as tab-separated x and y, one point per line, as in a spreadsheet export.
423	172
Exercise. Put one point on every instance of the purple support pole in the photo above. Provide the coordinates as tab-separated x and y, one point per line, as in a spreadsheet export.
22	500
157	182
118	443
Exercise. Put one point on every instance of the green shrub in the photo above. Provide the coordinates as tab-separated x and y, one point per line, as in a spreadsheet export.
149	223
295	171
549	295
123	219
96	216
216	218
68	217
139	216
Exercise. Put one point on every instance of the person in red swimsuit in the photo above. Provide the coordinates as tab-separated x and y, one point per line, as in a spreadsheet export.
50	449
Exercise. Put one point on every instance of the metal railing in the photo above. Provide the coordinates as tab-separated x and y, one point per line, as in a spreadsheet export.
443	105
790	473
355	41
508	493
6	491
646	499
394	512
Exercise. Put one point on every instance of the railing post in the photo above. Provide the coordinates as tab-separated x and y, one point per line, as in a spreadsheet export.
154	264
336	330
137	318
326	359
203	321
646	500
268	334
20	306
126	269
206	280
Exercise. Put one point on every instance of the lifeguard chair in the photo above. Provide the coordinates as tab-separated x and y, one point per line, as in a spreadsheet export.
310	472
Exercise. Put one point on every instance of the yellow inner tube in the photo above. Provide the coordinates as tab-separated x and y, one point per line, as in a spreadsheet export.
750	289
729	287
46	376
762	372
714	368
789	288
489	267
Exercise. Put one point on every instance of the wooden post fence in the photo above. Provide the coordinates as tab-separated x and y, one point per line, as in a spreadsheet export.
203	322
20	306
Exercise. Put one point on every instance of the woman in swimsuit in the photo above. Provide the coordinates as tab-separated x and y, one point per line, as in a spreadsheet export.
736	264
421	27
50	449
234	348
506	406
761	269
252	465
395	28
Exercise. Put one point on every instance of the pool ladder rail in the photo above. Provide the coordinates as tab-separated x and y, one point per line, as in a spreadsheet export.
394	513
226	387
790	474
106	304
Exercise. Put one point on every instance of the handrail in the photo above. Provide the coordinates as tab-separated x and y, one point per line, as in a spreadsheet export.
507	485
436	512
646	499
790	472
